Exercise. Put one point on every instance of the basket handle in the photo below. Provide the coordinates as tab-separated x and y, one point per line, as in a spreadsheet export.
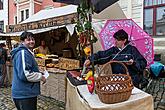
110	62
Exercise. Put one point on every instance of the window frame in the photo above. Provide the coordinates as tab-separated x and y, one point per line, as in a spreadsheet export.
2	25
26	14
24	17
150	19
15	19
154	7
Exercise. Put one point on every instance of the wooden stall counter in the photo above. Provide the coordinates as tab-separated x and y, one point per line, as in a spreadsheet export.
78	98
55	86
9	72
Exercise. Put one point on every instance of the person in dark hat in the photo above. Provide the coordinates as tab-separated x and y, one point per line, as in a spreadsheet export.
124	52
26	74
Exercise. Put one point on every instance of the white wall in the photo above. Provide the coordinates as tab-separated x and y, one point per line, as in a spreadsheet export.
4	14
133	9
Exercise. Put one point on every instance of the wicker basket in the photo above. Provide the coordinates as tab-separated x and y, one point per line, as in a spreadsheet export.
113	88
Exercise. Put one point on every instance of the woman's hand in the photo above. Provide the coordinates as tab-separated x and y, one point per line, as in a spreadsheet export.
130	62
87	63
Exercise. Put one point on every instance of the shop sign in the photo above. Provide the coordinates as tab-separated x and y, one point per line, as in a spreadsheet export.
57	21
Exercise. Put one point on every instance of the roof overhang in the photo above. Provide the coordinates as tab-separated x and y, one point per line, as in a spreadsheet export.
46	20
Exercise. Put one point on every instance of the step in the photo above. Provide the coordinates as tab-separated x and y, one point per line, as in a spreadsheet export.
159	41
159	49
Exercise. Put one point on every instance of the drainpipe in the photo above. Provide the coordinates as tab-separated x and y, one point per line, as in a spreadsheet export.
18	17
8	13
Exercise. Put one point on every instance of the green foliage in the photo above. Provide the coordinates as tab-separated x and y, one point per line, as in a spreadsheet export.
84	24
88	25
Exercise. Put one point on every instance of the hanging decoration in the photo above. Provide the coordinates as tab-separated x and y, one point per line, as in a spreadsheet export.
84	26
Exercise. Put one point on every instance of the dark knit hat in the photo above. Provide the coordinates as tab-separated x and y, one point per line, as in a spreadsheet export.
120	35
25	35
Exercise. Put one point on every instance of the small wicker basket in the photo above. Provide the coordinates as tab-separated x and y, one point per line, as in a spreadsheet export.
113	88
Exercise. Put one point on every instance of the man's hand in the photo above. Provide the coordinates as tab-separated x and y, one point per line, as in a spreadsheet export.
42	69
43	79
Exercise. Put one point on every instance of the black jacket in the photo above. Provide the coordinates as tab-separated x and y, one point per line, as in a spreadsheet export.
129	52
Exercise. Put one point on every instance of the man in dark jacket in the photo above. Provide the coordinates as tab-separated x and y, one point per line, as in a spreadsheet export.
124	52
3	58
26	74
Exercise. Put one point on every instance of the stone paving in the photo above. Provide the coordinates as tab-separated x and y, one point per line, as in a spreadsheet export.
156	89
44	103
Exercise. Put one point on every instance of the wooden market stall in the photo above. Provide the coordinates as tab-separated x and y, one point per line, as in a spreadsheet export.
57	63
55	30
61	43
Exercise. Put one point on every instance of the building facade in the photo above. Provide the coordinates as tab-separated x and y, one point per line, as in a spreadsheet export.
133	9
3	14
19	10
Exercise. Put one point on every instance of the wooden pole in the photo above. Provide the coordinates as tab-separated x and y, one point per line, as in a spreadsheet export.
91	43
8	43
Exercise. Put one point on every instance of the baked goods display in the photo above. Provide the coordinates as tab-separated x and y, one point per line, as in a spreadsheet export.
53	61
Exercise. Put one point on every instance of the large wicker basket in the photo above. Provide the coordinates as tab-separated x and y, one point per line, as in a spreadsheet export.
113	88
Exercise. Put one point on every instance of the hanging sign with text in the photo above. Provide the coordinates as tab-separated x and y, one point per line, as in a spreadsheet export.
56	21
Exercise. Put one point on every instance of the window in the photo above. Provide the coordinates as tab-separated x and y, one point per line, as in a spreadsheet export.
160	21
22	15
27	13
148	2
153	2
15	19
161	1
1	4
1	26
154	17
148	21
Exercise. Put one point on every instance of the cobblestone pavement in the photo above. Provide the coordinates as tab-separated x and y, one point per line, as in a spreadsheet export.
44	103
157	90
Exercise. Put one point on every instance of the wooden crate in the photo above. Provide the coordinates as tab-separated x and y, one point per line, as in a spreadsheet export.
68	64
42	61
